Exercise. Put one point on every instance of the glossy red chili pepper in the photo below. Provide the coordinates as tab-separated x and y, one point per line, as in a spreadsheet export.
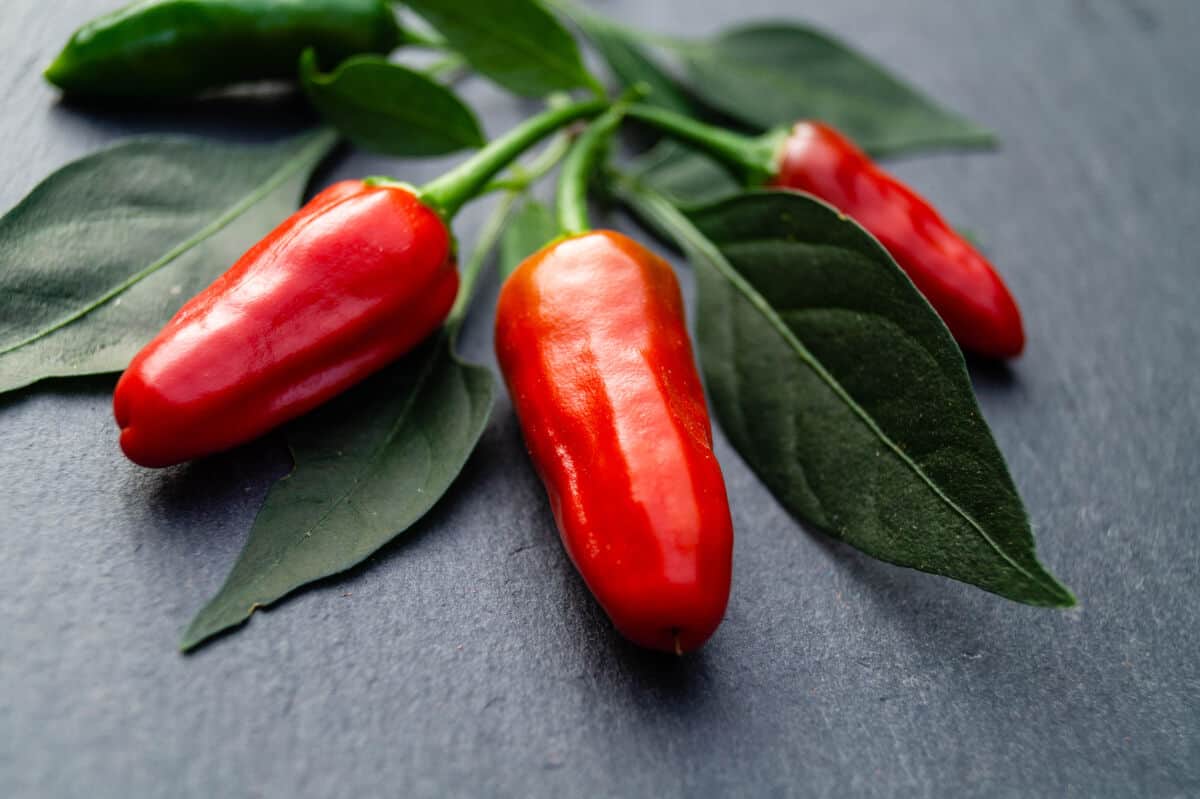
351	281
591	338
957	280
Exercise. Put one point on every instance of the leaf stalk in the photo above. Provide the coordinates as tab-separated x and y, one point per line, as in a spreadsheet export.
454	189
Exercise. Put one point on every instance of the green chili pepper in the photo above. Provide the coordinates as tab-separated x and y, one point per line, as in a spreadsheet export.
159	49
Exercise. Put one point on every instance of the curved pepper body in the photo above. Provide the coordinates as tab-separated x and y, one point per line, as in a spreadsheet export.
351	281
957	280
176	48
592	341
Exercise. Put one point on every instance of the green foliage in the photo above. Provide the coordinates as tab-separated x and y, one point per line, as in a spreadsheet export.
777	74
684	175
845	393
830	373
531	229
389	108
368	465
631	64
516	43
102	253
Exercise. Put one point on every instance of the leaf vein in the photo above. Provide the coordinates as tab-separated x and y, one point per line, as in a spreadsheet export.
702	245
294	165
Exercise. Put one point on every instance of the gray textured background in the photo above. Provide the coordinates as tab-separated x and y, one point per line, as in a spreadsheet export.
468	659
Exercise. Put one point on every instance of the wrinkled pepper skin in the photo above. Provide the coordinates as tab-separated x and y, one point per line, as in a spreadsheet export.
164	49
591	338
955	278
351	281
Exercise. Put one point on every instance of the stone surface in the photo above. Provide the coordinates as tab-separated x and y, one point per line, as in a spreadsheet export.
467	659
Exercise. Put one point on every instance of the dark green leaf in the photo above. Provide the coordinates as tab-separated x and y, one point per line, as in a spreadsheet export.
843	390
516	43
368	465
389	108
686	176
97	258
631	64
773	75
529	230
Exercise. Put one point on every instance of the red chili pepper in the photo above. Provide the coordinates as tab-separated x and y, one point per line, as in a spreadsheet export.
591	338
351	281
957	280
959	283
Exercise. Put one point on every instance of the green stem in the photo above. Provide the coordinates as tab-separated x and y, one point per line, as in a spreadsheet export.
454	189
412	38
521	177
752	158
525	176
445	66
656	208
577	169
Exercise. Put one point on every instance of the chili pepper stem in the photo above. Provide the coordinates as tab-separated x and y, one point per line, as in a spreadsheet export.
577	168
429	41
454	189
752	158
522	176
450	65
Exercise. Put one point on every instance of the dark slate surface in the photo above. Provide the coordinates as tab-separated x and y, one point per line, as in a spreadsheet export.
468	659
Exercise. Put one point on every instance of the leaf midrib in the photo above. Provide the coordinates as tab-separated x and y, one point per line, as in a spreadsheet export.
710	251
872	425
376	455
203	626
422	121
708	59
219	604
293	165
563	66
